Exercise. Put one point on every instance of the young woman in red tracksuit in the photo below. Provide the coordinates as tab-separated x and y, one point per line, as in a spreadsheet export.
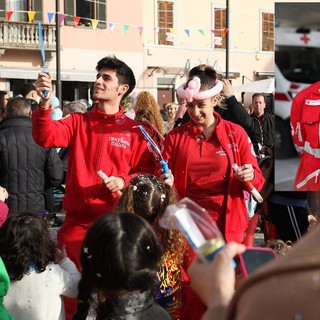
201	153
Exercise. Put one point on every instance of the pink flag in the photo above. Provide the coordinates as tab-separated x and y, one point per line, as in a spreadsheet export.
61	17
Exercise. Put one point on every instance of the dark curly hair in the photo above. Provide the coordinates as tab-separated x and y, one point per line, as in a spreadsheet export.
25	242
148	197
120	253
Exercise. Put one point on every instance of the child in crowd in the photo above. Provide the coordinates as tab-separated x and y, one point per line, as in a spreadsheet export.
37	284
4	277
4	209
119	257
147	197
171	110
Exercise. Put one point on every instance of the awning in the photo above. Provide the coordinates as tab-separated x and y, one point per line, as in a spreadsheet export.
32	74
260	86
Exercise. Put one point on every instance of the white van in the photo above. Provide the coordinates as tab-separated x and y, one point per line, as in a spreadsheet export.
297	65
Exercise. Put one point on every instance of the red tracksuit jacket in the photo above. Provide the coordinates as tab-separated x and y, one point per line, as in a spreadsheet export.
96	141
178	146
305	131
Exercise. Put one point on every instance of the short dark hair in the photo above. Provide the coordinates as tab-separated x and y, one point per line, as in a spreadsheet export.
207	75
18	106
120	252
260	95
26	88
24	241
124	72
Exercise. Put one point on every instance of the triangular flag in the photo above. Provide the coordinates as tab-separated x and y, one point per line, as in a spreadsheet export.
50	16
213	31
172	30
76	21
156	30
94	24
9	14
31	15
187	31
140	29
126	28
224	32
61	17
201	31
111	26
217	41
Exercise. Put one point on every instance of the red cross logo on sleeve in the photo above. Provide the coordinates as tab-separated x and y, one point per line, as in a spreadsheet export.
305	39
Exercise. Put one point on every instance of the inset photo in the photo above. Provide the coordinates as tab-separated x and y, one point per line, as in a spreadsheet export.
297	96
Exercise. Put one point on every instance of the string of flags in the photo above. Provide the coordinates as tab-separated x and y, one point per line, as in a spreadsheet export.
170	36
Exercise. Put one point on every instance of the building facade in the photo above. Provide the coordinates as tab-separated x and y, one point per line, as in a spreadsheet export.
160	40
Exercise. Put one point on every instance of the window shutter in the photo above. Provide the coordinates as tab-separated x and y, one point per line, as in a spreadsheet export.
37	7
220	24
69	11
102	14
165	21
3	10
267	32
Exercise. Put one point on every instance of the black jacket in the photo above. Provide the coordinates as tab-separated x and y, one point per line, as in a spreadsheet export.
26	169
262	133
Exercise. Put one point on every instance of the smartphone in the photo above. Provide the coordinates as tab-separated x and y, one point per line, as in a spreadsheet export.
253	258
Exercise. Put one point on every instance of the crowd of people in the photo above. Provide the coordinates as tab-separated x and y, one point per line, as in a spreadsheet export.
111	254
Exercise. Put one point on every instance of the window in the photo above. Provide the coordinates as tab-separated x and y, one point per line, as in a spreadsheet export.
267	31
220	25
20	8
86	10
165	23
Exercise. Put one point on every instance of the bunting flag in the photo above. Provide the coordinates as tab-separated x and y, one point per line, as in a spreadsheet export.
169	37
50	16
94	24
111	26
61	17
217	41
224	32
125	28
9	14
76	21
31	15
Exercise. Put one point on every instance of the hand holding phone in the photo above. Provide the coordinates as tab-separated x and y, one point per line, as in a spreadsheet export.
254	258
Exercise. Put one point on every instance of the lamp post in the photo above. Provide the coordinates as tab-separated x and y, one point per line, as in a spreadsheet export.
227	39
58	76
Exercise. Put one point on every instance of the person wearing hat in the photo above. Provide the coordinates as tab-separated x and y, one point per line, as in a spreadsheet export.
56	112
28	91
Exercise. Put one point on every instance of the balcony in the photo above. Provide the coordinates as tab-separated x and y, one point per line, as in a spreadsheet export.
24	36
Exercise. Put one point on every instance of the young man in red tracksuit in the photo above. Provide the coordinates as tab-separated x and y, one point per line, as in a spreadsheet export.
103	139
305	131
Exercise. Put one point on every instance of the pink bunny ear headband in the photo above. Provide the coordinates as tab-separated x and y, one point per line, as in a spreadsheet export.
192	91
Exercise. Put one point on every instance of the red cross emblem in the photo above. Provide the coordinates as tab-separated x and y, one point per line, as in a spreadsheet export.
305	39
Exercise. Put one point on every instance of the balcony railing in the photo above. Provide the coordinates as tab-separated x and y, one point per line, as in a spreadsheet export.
24	35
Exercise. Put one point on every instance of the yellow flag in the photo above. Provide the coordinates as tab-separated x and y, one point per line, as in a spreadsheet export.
94	24
31	15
